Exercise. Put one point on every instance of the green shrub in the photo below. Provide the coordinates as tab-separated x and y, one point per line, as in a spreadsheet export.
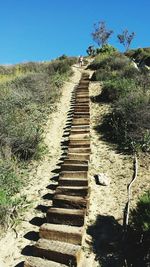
117	88
106	49
140	216
138	243
103	75
130	121
10	183
28	93
140	55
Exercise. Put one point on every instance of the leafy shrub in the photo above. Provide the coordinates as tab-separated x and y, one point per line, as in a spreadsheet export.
106	49
117	88
103	75
28	93
10	183
140	55
140	216
130	72
115	61
130	121
139	233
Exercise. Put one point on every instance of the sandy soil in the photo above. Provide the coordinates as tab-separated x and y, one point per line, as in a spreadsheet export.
105	217
12	243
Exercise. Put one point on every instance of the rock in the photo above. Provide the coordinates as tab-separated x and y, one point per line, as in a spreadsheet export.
102	179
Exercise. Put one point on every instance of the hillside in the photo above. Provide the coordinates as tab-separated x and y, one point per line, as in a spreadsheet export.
51	136
29	92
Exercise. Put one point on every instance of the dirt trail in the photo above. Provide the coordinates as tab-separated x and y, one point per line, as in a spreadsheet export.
14	241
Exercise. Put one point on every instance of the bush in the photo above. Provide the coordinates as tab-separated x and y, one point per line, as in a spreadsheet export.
103	75
117	88
106	49
28	93
10	183
113	62
130	121
140	55
140	216
138	247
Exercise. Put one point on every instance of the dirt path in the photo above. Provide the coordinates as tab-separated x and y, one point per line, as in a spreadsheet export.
14	241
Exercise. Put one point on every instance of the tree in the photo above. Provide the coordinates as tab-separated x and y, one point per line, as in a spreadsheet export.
101	34
125	39
91	51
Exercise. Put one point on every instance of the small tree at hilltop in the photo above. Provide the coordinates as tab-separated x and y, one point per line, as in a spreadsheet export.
101	34
125	39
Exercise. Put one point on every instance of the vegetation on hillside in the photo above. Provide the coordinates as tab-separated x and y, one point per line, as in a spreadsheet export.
128	89
140	56
138	242
28	93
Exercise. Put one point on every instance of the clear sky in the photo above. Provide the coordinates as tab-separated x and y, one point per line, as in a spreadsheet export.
37	30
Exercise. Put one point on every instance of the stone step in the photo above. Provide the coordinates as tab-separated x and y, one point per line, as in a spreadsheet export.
73	182
72	190
74	167
74	217
39	262
73	174
75	156
63	233
71	202
58	251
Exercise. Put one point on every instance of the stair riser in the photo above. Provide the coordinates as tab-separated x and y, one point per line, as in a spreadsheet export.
74	220
73	238
69	204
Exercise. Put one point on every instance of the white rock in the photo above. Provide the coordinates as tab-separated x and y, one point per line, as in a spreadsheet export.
103	179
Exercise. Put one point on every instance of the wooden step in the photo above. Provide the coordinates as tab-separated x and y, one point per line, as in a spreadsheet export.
58	251
70	202
75	156
74	217
79	149
80	121
72	190
79	141
84	136
74	167
73	182
63	233
73	174
39	262
75	161
80	127
76	116
81	113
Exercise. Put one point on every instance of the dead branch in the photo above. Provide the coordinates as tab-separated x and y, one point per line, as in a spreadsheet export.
127	208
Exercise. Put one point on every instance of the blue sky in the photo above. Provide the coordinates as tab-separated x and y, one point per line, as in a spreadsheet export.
37	30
